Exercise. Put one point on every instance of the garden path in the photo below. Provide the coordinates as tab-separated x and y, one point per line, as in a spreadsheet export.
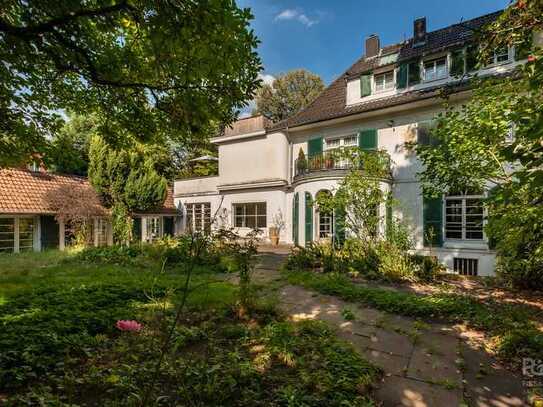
424	364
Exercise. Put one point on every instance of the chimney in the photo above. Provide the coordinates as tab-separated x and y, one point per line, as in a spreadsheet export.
372	46
419	31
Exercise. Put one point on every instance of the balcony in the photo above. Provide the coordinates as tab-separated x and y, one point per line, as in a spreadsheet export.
319	163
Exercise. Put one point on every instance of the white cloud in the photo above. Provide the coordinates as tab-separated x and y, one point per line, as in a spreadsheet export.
297	15
266	78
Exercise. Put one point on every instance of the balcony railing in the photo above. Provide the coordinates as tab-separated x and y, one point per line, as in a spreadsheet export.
325	161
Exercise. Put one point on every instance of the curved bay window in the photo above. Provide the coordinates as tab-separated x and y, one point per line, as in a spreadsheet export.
325	219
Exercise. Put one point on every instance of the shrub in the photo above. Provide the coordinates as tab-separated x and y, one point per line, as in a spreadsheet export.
426	268
382	260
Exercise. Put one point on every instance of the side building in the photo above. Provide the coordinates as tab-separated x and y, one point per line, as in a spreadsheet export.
29	202
270	174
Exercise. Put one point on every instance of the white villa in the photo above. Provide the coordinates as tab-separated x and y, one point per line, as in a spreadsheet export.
385	99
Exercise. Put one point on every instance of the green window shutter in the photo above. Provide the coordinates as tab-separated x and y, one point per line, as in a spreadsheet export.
365	85
414	73
472	55
308	218
314	146
401	82
295	218
367	139
432	214
457	62
340	225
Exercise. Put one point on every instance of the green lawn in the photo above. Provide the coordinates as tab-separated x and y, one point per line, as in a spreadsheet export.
59	344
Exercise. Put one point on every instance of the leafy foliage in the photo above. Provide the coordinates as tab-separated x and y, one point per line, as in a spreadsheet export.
380	260
359	194
65	349
288	94
152	70
126	180
473	149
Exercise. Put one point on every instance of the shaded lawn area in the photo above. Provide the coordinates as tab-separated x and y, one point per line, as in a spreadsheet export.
513	329
59	344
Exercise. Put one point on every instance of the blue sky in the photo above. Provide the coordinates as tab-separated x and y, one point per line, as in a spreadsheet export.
327	36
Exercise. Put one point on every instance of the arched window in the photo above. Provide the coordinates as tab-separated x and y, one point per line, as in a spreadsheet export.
325	219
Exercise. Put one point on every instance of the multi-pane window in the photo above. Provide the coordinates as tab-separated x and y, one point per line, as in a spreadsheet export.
16	234
250	215
153	229
464	217
7	234
501	55
326	224
26	234
347	141
199	216
435	69
384	81
101	232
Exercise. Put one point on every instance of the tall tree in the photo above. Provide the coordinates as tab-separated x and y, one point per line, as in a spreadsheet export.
151	70
127	180
496	140
69	152
288	94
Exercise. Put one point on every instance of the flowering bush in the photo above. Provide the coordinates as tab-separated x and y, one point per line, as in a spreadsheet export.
128	325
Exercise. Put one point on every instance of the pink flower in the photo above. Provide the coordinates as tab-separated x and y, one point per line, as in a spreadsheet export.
133	326
531	58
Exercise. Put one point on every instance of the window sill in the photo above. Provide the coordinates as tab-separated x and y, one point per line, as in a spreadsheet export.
466	244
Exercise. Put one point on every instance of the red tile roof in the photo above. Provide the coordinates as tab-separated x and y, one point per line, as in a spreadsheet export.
28	192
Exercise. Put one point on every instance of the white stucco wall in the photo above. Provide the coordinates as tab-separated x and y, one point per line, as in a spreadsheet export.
254	159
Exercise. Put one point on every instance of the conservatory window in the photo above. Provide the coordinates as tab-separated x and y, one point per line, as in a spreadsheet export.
101	232
7	235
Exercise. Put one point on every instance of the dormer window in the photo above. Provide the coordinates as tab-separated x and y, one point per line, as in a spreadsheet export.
435	69
384	81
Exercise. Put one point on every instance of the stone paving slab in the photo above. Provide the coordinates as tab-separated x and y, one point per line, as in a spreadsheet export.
401	391
425	364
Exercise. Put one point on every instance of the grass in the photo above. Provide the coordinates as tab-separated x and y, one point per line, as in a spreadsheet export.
513	330
60	345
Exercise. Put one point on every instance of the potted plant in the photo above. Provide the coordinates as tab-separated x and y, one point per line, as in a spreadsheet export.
278	224
301	163
329	162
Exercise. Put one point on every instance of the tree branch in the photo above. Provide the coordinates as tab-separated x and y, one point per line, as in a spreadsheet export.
51	25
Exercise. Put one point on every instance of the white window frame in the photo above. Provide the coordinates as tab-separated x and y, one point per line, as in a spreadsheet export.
17	233
244	214
463	199
149	225
330	225
383	74
434	61
341	142
204	210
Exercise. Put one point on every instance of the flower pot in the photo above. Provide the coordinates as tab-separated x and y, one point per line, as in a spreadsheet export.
275	240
